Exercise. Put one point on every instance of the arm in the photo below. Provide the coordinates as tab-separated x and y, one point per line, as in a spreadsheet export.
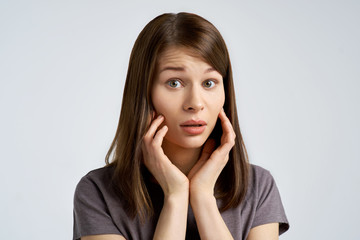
175	185
203	177
267	231
269	220
209	221
172	220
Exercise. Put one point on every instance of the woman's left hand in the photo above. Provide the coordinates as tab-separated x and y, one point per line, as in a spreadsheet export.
206	171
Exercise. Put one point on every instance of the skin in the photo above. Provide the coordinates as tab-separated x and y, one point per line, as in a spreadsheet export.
187	166
186	88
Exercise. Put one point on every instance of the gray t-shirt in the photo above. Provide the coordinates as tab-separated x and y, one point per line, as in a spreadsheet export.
98	210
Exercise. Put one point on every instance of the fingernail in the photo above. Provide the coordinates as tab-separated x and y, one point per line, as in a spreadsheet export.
160	116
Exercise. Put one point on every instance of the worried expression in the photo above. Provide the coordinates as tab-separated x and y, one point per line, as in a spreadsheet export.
189	93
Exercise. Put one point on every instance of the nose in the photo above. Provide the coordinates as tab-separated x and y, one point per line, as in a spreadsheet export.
193	101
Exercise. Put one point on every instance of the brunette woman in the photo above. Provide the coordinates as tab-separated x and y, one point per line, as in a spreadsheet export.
177	167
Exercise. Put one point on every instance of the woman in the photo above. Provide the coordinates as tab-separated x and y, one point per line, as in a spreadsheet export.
179	167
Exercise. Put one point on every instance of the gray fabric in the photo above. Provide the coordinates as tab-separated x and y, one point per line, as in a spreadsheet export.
97	210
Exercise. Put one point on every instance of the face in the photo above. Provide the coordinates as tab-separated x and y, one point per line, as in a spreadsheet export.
189	93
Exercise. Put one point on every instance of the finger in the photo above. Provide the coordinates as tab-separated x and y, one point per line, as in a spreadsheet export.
153	127
225	122
205	154
224	148
159	136
229	135
208	149
153	147
218	159
150	118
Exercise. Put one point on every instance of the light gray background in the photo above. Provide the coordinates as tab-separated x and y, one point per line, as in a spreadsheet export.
296	67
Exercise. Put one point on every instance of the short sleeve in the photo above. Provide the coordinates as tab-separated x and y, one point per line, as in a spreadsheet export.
269	207
91	215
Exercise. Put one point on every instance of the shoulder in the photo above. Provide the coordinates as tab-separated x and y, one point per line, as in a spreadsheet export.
261	182
259	172
98	177
264	197
99	174
259	177
93	204
97	184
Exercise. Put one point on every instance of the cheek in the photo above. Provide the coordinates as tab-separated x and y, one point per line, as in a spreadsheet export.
158	100
157	105
164	105
217	102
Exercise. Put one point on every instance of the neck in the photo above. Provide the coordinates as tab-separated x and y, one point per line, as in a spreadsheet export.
182	158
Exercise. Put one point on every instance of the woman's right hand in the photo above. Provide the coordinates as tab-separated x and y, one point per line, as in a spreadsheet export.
170	178
175	185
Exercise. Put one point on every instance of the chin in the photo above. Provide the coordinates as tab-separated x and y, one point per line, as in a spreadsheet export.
188	142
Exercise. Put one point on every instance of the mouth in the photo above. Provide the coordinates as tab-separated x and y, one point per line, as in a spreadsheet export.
195	123
193	127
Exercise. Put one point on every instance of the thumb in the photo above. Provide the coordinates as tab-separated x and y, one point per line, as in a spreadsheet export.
207	150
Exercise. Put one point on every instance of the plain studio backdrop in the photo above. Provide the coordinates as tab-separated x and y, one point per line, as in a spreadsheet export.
296	68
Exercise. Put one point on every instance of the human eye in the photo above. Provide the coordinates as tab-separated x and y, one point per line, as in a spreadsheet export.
174	83
209	83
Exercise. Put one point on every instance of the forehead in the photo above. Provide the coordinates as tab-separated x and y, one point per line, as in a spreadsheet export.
178	55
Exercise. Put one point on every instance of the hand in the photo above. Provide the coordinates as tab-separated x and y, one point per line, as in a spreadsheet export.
170	178
206	171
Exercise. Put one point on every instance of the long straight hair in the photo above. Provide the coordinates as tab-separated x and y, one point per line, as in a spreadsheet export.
167	30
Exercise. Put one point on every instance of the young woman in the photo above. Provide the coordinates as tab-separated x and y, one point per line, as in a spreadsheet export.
177	167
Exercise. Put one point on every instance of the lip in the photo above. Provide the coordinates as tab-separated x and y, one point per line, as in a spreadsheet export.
193	122
193	127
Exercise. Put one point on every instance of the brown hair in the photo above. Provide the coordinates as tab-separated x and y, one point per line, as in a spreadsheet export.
183	30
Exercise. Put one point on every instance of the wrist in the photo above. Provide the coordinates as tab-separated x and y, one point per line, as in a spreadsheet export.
200	192
178	189
202	198
177	196
177	202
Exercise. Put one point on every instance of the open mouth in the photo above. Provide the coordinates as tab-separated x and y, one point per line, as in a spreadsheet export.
193	127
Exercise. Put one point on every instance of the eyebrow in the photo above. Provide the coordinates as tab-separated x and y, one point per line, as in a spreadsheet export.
181	69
